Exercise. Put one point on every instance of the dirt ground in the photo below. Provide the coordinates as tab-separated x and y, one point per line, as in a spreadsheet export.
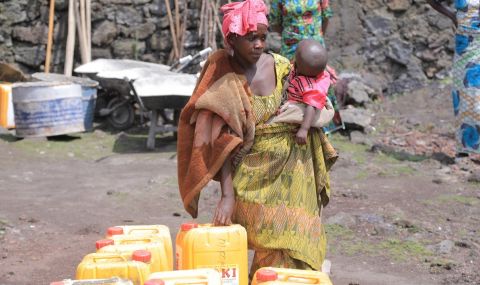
401	212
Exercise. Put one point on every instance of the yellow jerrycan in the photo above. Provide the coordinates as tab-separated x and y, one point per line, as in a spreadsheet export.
107	281
221	248
7	119
108	265
185	277
161	231
184	228
286	276
163	243
159	261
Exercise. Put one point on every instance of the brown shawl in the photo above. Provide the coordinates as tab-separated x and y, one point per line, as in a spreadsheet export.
216	123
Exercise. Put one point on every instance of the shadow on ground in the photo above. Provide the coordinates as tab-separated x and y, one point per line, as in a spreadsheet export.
134	143
101	142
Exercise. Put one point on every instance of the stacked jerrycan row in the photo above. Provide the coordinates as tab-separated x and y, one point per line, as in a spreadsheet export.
143	255
129	252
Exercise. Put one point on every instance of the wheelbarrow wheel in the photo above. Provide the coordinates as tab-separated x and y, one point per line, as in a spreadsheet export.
122	117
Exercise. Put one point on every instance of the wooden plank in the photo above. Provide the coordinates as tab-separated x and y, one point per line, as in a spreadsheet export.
70	48
51	19
172	28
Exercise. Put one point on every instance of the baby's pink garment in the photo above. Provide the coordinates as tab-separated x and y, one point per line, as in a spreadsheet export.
312	91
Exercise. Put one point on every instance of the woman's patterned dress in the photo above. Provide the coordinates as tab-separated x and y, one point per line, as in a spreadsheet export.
280	186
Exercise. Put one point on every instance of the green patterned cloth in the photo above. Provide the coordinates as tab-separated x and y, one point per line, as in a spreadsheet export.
299	19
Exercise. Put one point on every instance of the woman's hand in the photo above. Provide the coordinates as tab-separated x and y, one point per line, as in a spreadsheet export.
301	136
223	213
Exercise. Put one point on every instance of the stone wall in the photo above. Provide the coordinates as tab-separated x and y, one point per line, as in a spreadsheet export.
394	44
133	29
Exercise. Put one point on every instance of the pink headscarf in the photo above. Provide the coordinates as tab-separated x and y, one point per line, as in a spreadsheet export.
242	17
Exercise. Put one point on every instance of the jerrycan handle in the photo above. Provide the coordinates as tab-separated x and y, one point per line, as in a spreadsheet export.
135	239
106	257
152	231
301	279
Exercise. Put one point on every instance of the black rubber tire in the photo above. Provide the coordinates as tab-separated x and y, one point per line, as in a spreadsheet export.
123	117
100	103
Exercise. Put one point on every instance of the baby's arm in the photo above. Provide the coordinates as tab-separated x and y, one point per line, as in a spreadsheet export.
301	137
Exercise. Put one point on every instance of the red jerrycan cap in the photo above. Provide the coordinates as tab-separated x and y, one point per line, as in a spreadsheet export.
103	242
188	226
142	255
264	275
154	282
112	231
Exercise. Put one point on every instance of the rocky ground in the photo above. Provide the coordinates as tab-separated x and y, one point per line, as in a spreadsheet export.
403	210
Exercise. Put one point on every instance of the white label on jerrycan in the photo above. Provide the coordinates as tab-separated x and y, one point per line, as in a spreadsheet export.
229	274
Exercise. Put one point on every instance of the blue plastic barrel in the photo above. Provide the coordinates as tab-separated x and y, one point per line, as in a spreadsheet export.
89	96
89	93
47	108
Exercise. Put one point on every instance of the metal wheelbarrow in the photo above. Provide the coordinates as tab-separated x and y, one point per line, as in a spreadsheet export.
114	101
155	87
159	92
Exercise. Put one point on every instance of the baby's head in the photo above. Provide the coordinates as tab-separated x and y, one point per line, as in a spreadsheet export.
310	58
